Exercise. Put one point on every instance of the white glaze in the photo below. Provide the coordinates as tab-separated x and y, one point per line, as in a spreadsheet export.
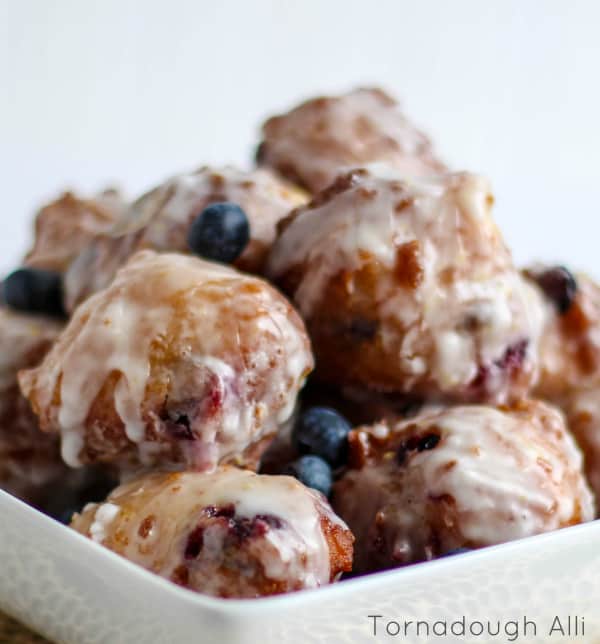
114	330
160	220
104	515
513	479
509	475
178	200
297	551
449	217
325	136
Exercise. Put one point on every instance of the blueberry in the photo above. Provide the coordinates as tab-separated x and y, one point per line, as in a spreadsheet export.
312	471
220	232
324	432
559	285
34	291
66	514
430	441
457	551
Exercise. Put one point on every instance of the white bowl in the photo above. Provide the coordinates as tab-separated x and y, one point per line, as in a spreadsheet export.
74	591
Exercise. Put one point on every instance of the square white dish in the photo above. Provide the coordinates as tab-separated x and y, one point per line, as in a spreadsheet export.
74	591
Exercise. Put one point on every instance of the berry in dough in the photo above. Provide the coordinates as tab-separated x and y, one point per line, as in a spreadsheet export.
569	353
231	533
65	226
570	356
180	361
466	476
162	218
407	287
324	136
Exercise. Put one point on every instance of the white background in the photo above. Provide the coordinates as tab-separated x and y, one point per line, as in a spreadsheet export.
97	91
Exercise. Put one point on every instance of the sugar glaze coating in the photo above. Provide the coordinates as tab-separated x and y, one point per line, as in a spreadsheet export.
465	476
160	220
178	361
314	142
231	533
407	287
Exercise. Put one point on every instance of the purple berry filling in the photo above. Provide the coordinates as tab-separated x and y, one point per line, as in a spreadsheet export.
510	362
239	529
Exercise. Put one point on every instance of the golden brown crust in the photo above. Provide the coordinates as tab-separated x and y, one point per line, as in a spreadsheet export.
582	409
221	356
570	346
315	141
230	533
341	542
66	225
29	459
407	287
457	477
570	356
160	220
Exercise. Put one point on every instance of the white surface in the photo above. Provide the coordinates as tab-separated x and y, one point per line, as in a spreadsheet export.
91	92
76	592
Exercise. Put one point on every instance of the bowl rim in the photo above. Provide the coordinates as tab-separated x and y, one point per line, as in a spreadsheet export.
244	607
